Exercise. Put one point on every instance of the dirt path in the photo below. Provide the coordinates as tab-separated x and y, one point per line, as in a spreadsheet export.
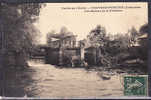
49	81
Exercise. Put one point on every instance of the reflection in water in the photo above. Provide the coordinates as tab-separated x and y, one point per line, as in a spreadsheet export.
43	80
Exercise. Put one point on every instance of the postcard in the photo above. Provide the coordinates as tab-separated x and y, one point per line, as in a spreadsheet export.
74	50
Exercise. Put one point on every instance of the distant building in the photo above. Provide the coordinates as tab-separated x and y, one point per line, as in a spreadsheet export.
65	42
143	38
63	48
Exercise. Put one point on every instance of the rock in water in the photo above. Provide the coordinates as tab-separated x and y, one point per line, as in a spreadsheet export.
104	77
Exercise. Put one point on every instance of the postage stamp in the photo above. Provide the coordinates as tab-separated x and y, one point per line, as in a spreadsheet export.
136	85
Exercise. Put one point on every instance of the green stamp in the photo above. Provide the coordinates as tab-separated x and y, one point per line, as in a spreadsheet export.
136	85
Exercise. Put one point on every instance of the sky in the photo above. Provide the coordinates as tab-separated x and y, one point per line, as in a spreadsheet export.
53	17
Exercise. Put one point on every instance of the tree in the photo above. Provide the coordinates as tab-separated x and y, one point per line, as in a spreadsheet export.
20	32
64	32
118	48
97	37
133	36
144	29
143	43
139	38
113	49
49	36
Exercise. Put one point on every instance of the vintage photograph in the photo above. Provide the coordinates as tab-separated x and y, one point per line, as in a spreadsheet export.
73	50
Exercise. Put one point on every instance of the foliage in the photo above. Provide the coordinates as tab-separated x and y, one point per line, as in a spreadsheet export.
97	37
18	19
49	36
64	32
17	24
143	43
133	36
116	49
144	29
140	51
